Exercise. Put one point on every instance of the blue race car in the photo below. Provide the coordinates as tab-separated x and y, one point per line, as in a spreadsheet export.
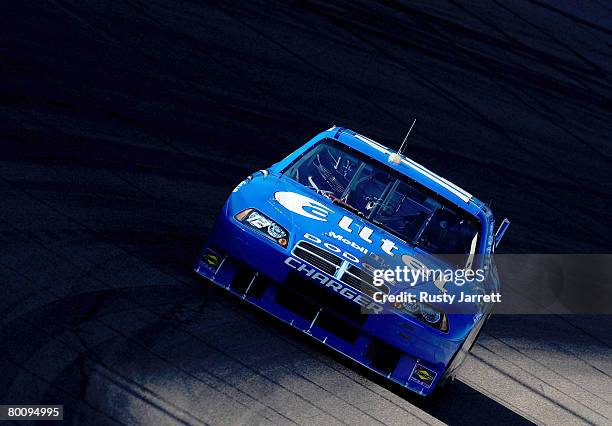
304	239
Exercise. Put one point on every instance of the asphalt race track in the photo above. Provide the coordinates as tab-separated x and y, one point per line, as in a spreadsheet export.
124	126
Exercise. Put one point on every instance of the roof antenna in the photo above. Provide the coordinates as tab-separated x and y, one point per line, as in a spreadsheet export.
395	157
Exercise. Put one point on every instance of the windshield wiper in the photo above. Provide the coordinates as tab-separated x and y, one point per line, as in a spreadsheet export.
345	205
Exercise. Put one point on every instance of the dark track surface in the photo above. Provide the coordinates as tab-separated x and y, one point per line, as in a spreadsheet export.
124	125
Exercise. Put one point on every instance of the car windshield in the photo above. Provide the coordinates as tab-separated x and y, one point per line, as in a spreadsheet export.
388	199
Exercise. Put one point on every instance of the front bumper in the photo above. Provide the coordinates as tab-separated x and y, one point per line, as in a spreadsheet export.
254	269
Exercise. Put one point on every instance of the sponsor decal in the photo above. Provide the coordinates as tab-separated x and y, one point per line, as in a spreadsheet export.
368	267
348	242
413	263
211	259
333	285
307	207
423	375
330	247
365	233
371	270
240	185
302	205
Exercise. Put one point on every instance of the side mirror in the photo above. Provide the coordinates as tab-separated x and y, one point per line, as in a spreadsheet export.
503	227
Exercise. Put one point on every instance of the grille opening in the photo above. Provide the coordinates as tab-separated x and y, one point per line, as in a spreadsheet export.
338	327
326	298
362	280
366	288
242	279
330	263
301	307
259	287
317	261
383	357
336	260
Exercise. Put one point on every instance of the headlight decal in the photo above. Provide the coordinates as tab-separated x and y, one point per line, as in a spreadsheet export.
425	313
257	220
263	225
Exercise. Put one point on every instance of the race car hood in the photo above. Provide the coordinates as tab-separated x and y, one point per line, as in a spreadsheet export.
305	214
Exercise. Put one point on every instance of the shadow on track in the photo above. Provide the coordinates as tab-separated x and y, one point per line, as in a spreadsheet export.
455	404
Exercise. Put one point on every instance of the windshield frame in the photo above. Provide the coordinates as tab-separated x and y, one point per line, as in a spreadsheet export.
396	179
